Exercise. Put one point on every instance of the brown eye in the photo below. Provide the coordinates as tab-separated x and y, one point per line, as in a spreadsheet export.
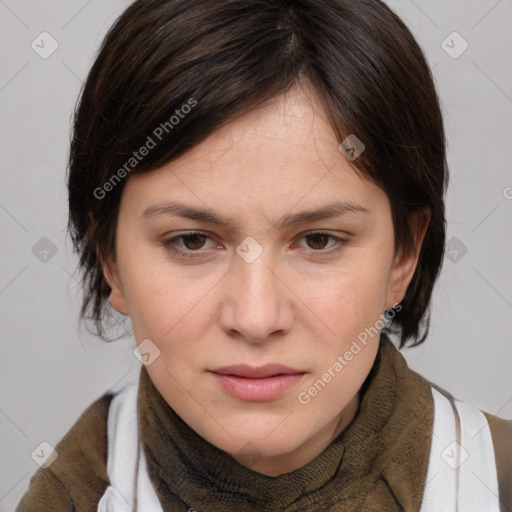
318	240
194	241
187	244
322	243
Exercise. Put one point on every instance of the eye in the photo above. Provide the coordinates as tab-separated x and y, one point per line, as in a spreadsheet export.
318	241
191	243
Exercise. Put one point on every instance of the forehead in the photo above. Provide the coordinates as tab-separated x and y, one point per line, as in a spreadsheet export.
293	126
281	154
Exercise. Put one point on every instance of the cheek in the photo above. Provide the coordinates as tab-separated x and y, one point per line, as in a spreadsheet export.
350	307
349	300
161	301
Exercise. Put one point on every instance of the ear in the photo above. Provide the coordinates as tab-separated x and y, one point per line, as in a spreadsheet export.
111	274
405	263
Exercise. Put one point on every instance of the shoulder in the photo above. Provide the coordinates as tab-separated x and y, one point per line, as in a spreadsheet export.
500	428
501	433
499	441
78	476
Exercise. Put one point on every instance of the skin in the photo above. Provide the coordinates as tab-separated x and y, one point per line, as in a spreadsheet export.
300	303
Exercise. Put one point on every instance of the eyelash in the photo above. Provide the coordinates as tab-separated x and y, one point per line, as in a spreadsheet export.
170	246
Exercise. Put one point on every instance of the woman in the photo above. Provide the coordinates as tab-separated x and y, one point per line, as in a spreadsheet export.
259	186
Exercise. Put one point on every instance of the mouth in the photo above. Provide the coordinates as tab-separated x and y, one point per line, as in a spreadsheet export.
256	384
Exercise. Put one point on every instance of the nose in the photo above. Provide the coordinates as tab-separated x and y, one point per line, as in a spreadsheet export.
256	305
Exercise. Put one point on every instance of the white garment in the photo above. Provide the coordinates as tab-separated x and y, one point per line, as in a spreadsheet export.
461	475
130	488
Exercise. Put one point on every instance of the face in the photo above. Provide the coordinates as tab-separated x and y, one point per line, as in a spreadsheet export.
255	264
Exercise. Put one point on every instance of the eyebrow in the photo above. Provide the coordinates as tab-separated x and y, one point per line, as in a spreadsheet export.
291	219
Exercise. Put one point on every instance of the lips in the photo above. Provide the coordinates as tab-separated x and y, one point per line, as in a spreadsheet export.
257	372
256	384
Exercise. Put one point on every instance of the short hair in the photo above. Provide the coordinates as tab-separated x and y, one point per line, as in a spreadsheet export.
226	58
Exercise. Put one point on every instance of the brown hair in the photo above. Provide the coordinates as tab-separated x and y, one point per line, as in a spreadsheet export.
232	56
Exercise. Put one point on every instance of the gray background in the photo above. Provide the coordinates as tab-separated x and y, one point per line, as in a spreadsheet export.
50	371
